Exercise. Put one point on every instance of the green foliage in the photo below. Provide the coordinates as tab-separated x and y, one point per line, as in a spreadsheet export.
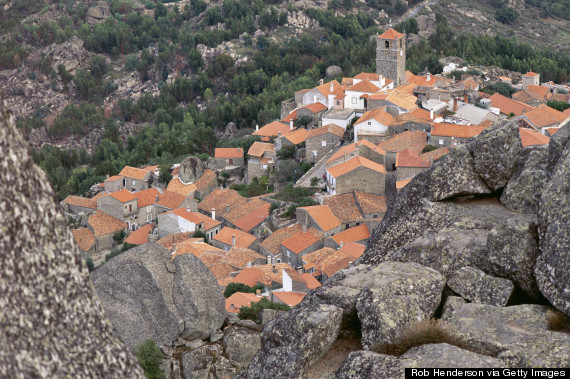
200	234
90	264
253	312
314	181
507	15
98	67
64	75
302	121
294	194
150	358
114	252
126	246
306	166
119	237
408	26
165	175
258	187
501	88
457	74
558	105
131	62
76	119
428	148
286	152
240	287
288	171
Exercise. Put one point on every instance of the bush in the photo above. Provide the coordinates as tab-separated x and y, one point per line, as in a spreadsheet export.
119	237
254	311
150	357
126	246
90	264
428	148
114	252
240	287
200	234
420	333
507	15
314	181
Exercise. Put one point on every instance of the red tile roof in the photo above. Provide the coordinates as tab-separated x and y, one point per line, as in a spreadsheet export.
146	197
252	219
539	90
331	268
508	106
391	34
325	88
353	164
350	149
257	149
229	152
272	130
84	238
220	199
316	107
435	154
308	279
344	207
323	216
409	158
123	195
423	80
409	139
370	203
272	243
353	249
170	199
104	224
358	233
530	137
139	236
114	177
290	117
301	241
134	173
402	183
289	298
530	74
317	257
363	86
239	257
296	136
196	218
176	185
249	276
457	131
243	239
240	299
172	239
376	114
543	116
79	201
368	76
208	179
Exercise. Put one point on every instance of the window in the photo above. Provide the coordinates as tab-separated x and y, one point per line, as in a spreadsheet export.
338	102
149	217
369	122
130	207
314	153
387	44
264	166
288	254
441	142
134	182
149	208
324	143
401	43
354	100
278	260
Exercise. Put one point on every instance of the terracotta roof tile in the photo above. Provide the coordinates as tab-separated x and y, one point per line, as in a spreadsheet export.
228	152
172	239
296	136
323	216
207	180
333	267
330	128
289	298
272	243
249	215
220	199
84	238
402	183
243	239
104	224
368	76
551	131
271	276
407	88
223	273
316	107
260	148
344	207
134	173
114	177
354	148
530	137
239	257
308	279
170	199
531	74
370	203
409	139
272	130
456	130
409	158
240	299
176	185
197	248
544	116
507	105
355	250
196	218
301	241
358	233
347	81
403	100
325	88
79	201
317	257
123	195
417	80
353	164
249	276
363	86
376	114
539	90
146	197
213	258
435	154
151	168
290	117
139	236
391	34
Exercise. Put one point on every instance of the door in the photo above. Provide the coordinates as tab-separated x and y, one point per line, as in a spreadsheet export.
231	161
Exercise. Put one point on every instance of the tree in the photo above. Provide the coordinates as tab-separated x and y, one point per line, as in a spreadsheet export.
150	357
90	264
253	312
507	15
165	176
98	66
288	171
314	181
240	287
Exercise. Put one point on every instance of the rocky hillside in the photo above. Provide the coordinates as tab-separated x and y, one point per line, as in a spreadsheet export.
479	242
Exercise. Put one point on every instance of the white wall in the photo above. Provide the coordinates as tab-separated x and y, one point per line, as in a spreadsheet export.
375	126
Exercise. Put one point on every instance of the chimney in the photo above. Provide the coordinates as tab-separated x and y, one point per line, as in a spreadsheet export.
258	293
332	87
227	208
268	260
157	198
248	264
233	239
304	228
321	82
213	213
278	134
428	77
221	187
187	209
341	245
291	124
256	128
455	104
107	176
431	114
274	269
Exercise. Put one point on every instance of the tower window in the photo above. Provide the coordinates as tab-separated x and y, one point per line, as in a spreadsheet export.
401	43
387	44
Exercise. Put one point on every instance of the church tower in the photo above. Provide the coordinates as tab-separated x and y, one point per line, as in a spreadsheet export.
391	56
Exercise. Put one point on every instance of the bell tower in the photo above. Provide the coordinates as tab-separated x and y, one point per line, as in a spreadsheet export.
391	56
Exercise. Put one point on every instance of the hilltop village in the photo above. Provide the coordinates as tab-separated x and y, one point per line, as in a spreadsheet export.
363	139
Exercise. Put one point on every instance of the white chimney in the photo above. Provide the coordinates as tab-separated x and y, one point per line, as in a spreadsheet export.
227	208
332	87
314	98
187	209
341	245
233	239
213	213
268	260
256	128
291	124
431	114
248	264
321	82
304	228
428	77
278	134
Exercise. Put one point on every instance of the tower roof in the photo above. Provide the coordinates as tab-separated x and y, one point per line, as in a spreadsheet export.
391	34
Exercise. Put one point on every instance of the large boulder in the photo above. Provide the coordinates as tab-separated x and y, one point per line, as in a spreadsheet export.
476	286
522	193
191	169
241	342
98	13
403	293
333	71
294	341
53	323
518	333
206	362
147	296
553	267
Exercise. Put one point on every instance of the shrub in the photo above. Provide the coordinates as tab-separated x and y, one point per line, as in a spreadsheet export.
428	148
253	312
420	333
557	321
90	264
150	357
114	252
314	181
507	15
240	287
119	236
126	246
200	234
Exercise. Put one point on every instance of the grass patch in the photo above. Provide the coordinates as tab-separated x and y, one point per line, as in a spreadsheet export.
558	321
420	333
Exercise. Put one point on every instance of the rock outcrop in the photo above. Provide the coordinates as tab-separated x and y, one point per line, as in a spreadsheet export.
147	296
53	324
191	169
476	286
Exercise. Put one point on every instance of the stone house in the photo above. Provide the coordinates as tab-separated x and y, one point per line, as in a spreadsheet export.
319	94
261	157
183	221
229	157
295	247
475	115
372	126
293	138
313	112
534	95
358	234
319	141
135	179
541	118
409	164
249	216
220	202
361	148
121	205
114	183
401	101
206	184
356	208
508	106
104	227
340	117
229	237
170	200
355	96
85	240
444	134
319	217
270	247
530	78
273	130
76	204
358	173
146	200
414	140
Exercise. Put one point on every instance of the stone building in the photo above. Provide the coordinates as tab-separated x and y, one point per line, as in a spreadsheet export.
76	204
114	183
313	112
361	148
530	78
261	157
183	221
146	201
444	134
229	156
357	173
318	142
409	164
319	217
299	244
391	56
104	228
135	179
121	205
